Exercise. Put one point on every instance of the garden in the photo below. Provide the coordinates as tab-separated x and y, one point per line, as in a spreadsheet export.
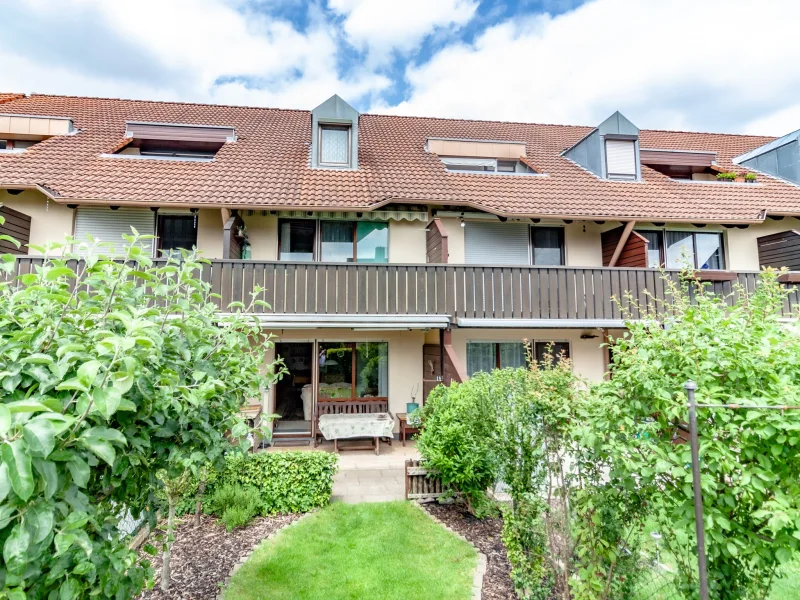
598	475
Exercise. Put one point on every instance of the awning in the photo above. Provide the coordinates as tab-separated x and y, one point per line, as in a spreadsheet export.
373	215
382	322
541	323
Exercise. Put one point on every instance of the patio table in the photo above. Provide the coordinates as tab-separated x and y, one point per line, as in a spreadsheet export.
356	425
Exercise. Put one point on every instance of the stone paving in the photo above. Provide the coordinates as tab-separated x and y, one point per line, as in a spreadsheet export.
364	477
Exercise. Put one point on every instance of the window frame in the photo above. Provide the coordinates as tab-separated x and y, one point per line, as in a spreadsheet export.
534	343
317	245
161	217
354	371
486	169
337	126
621	176
562	243
694	233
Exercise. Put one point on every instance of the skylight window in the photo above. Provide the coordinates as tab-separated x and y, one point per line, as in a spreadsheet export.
465	164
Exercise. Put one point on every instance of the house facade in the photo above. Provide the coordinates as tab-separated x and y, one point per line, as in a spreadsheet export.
396	252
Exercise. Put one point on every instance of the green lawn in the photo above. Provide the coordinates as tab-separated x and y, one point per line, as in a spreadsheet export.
352	551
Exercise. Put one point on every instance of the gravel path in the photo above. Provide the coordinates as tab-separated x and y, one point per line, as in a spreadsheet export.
485	534
203	557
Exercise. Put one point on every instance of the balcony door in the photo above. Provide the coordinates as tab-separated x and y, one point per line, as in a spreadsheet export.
350	371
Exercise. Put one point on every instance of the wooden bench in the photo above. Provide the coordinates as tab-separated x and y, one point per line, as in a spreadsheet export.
347	407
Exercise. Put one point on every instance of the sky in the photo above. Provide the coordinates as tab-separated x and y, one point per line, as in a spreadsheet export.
697	65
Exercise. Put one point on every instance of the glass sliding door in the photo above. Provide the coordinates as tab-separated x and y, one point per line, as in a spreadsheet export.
372	242
337	242
297	240
353	370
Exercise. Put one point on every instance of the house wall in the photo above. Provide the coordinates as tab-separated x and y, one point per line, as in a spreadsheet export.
50	222
405	358
407	242
209	232
582	244
741	243
587	355
262	233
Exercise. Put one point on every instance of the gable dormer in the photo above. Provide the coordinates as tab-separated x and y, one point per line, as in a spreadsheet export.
610	151
780	158
334	140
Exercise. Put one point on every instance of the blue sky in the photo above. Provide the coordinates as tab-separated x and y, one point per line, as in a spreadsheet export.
670	64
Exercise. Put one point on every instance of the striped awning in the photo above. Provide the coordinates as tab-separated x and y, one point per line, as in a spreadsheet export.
375	215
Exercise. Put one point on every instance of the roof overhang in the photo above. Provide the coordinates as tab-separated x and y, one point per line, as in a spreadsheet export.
541	323
357	322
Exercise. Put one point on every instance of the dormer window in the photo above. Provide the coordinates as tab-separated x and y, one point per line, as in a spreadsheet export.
167	141
461	164
334	145
621	159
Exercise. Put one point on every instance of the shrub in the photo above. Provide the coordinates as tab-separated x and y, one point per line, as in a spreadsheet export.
235	505
286	482
526	542
739	353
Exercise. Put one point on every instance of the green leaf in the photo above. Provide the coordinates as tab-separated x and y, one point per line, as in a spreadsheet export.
63	541
69	590
26	406
75	520
87	372
106	400
49	475
43	520
19	468
72	384
5	481
101	448
107	434
40	436
5	419
56	272
15	550
38	359
7	513
79	470
784	555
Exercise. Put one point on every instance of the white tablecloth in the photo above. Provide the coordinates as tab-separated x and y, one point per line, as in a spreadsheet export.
338	427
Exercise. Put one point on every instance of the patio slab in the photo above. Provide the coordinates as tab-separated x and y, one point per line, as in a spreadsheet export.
364	477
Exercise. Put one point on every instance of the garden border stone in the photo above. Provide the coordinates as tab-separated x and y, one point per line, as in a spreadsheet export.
480	569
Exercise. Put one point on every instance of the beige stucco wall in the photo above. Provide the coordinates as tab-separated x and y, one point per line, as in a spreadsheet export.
262	233
587	355
455	240
741	245
209	232
15	126
405	358
407	242
50	222
582	244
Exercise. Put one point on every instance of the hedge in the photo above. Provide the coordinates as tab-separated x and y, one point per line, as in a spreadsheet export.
288	482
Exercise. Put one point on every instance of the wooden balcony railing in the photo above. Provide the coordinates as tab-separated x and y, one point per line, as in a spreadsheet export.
461	292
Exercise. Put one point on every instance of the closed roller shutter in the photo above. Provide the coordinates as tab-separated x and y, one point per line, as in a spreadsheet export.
109	225
496	244
620	159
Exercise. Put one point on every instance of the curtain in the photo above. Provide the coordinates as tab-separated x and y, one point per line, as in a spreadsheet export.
680	250
334	143
372	242
548	243
337	241
297	240
512	355
480	357
372	369
709	250
653	248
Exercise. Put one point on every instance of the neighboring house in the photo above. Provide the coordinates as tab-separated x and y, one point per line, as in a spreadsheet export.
399	252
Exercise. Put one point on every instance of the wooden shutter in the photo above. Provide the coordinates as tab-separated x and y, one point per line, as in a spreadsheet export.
18	226
620	158
497	243
780	250
109	225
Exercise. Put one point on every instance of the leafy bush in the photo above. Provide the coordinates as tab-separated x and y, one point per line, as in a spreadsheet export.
235	505
526	542
633	434
102	390
286	482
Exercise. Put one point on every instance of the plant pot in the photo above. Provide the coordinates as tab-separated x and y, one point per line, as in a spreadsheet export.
411	407
739	180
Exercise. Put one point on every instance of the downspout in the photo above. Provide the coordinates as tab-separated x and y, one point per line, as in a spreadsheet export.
623	239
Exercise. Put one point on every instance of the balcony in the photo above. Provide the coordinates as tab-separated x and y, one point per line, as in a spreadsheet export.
439	294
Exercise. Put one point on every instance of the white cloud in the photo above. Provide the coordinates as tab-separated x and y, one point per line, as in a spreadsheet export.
200	50
666	64
777	123
380	26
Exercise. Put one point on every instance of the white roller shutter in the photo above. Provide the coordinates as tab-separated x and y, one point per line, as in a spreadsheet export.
620	159
108	225
496	243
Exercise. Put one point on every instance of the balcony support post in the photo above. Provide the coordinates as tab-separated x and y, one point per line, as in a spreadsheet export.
626	233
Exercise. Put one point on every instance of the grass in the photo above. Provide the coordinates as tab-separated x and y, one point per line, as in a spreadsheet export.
350	551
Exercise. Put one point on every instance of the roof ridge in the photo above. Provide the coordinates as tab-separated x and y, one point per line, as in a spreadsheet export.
477	120
747	135
174	102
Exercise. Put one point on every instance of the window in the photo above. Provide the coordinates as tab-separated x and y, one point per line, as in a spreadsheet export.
621	159
3	145
677	249
558	350
548	245
297	240
494	243
353	370
487	356
333	241
334	145
485	165
175	232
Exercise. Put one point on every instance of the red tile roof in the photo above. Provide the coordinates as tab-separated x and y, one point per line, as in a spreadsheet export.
8	96
268	166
